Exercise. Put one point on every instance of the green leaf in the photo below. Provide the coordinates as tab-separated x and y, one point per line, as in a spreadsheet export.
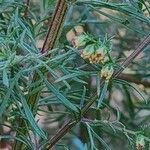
72	75
130	85
98	84
90	136
29	115
130	103
53	73
6	98
124	8
83	97
65	71
126	23
57	93
5	101
103	93
20	139
101	140
5	78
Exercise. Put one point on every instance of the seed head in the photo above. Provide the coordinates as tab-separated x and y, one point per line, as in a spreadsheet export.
100	54
88	51
107	71
95	55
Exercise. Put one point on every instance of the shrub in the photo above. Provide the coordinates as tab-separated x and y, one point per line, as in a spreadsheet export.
69	77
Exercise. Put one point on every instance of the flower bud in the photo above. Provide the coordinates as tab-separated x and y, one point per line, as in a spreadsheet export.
100	54
80	40
88	51
105	60
107	71
93	59
140	142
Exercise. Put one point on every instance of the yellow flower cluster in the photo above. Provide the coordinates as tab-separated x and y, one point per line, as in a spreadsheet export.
107	71
95	53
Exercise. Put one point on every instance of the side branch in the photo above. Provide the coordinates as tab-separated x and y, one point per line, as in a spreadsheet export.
135	53
64	130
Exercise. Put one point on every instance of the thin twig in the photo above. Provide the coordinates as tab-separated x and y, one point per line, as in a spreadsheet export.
64	130
135	53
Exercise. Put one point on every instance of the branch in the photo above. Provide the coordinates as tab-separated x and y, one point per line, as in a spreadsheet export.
135	53
94	97
55	25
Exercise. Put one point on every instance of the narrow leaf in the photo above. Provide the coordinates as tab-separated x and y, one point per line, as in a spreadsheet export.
5	78
132	86
103	94
30	117
57	93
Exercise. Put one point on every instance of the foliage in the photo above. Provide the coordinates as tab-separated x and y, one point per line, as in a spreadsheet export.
40	92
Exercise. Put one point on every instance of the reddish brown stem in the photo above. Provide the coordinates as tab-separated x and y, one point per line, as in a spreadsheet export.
135	53
55	25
